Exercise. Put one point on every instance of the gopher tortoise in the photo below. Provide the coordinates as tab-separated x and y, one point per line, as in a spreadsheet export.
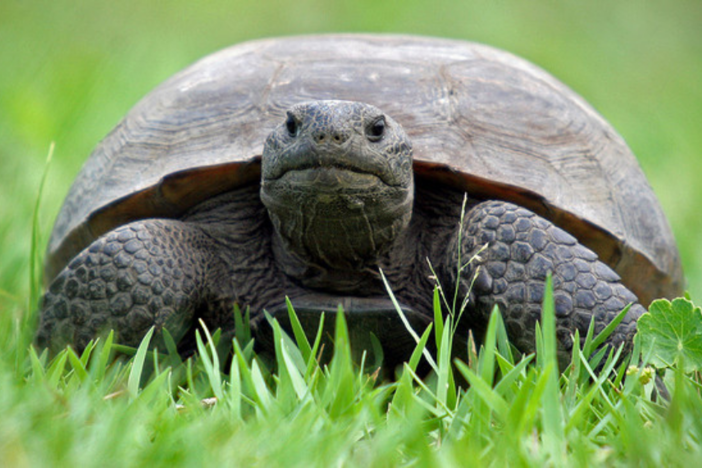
301	167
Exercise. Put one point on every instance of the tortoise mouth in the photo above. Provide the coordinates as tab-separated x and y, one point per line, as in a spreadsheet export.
333	193
337	169
347	163
329	179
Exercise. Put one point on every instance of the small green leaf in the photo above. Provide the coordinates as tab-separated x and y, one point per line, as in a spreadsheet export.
671	333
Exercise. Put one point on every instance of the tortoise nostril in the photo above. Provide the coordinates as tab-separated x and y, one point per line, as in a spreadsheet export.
336	137
340	137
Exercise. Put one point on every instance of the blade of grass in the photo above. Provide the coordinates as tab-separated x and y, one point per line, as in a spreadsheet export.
553	430
242	325
25	323
210	361
303	343
604	334
484	390
341	375
158	385
487	356
38	372
35	270
406	323
503	345
56	369
513	375
264	399
378	353
430	400
444	366
77	366
296	379
174	358
105	353
419	349
312	363
135	373
459	263
523	416
438	317
234	396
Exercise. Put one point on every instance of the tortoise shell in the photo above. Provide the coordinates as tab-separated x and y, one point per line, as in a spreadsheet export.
480	119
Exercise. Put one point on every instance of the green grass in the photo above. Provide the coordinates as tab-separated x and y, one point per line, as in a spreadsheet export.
70	69
93	410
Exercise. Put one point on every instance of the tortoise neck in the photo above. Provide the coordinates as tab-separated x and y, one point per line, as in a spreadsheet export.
340	253
363	281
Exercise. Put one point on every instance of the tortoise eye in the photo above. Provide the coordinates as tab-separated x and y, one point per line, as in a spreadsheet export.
291	125
376	130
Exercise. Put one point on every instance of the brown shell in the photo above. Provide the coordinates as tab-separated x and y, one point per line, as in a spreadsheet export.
479	118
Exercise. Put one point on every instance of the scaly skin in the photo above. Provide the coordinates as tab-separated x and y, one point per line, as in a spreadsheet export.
353	213
522	248
142	274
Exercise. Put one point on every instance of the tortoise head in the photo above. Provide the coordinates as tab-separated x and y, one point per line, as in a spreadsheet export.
337	183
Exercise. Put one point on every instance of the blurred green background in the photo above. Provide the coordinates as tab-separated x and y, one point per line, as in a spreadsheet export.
70	69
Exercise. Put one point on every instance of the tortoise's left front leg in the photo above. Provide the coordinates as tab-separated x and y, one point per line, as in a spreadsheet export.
522	248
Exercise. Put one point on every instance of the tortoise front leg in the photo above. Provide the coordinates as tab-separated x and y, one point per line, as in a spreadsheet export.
147	273
522	248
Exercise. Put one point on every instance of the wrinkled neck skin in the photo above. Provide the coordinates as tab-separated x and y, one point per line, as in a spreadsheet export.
337	242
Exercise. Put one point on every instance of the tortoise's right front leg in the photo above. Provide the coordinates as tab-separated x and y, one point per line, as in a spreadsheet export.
147	273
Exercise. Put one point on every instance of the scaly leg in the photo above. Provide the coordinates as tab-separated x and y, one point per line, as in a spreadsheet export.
147	273
522	248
